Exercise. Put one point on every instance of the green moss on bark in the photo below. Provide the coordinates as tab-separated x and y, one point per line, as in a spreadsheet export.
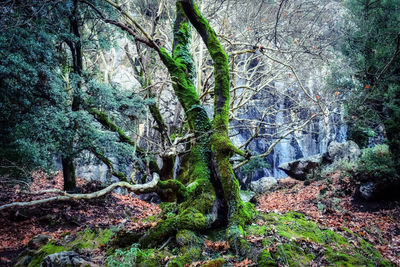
221	146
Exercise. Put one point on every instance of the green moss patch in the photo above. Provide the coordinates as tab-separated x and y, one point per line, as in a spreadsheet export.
292	240
91	239
32	259
88	239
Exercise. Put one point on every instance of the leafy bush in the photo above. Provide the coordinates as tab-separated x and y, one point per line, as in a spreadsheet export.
379	166
377	163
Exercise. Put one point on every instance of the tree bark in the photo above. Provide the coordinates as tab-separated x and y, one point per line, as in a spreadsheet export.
238	212
77	66
69	174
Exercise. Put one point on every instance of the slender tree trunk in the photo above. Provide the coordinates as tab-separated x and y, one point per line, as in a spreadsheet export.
77	64
69	174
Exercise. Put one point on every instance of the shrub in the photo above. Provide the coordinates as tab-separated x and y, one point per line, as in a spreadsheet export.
377	165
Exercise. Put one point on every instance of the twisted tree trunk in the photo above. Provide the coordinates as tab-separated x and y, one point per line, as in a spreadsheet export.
213	198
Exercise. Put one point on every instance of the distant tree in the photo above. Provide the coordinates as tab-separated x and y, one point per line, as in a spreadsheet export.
371	44
50	105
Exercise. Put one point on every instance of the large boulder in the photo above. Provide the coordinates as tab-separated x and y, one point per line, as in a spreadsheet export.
262	185
300	168
348	151
336	154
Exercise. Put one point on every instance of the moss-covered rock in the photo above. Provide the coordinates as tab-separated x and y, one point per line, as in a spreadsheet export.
33	258
87	239
265	259
91	239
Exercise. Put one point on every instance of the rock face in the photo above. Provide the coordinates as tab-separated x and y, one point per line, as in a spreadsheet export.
64	259
311	140
337	153
262	185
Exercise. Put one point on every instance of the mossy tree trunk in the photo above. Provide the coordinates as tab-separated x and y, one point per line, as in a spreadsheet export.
212	192
206	191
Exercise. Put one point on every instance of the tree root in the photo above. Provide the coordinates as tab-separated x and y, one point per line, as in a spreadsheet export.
190	219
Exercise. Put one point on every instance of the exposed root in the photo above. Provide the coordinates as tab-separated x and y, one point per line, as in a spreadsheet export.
190	219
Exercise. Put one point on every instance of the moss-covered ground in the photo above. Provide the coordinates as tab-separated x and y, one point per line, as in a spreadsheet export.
288	239
275	239
87	240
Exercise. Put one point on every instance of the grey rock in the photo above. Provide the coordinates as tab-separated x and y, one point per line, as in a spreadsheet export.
64	259
262	185
348	151
367	190
300	168
246	195
336	154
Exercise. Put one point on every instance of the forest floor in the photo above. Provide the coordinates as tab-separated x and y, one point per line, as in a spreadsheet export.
56	219
323	201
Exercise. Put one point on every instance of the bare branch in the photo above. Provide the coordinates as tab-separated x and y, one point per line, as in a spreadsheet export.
141	188
271	147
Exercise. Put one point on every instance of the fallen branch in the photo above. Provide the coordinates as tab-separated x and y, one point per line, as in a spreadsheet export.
137	188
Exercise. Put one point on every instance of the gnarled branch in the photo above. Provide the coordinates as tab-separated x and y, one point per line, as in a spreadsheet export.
63	196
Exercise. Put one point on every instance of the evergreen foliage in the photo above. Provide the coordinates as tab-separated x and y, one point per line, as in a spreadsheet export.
371	44
38	86
378	165
32	95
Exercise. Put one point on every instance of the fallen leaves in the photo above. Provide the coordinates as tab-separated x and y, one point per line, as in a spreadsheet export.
254	239
379	226
217	245
57	219
246	262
